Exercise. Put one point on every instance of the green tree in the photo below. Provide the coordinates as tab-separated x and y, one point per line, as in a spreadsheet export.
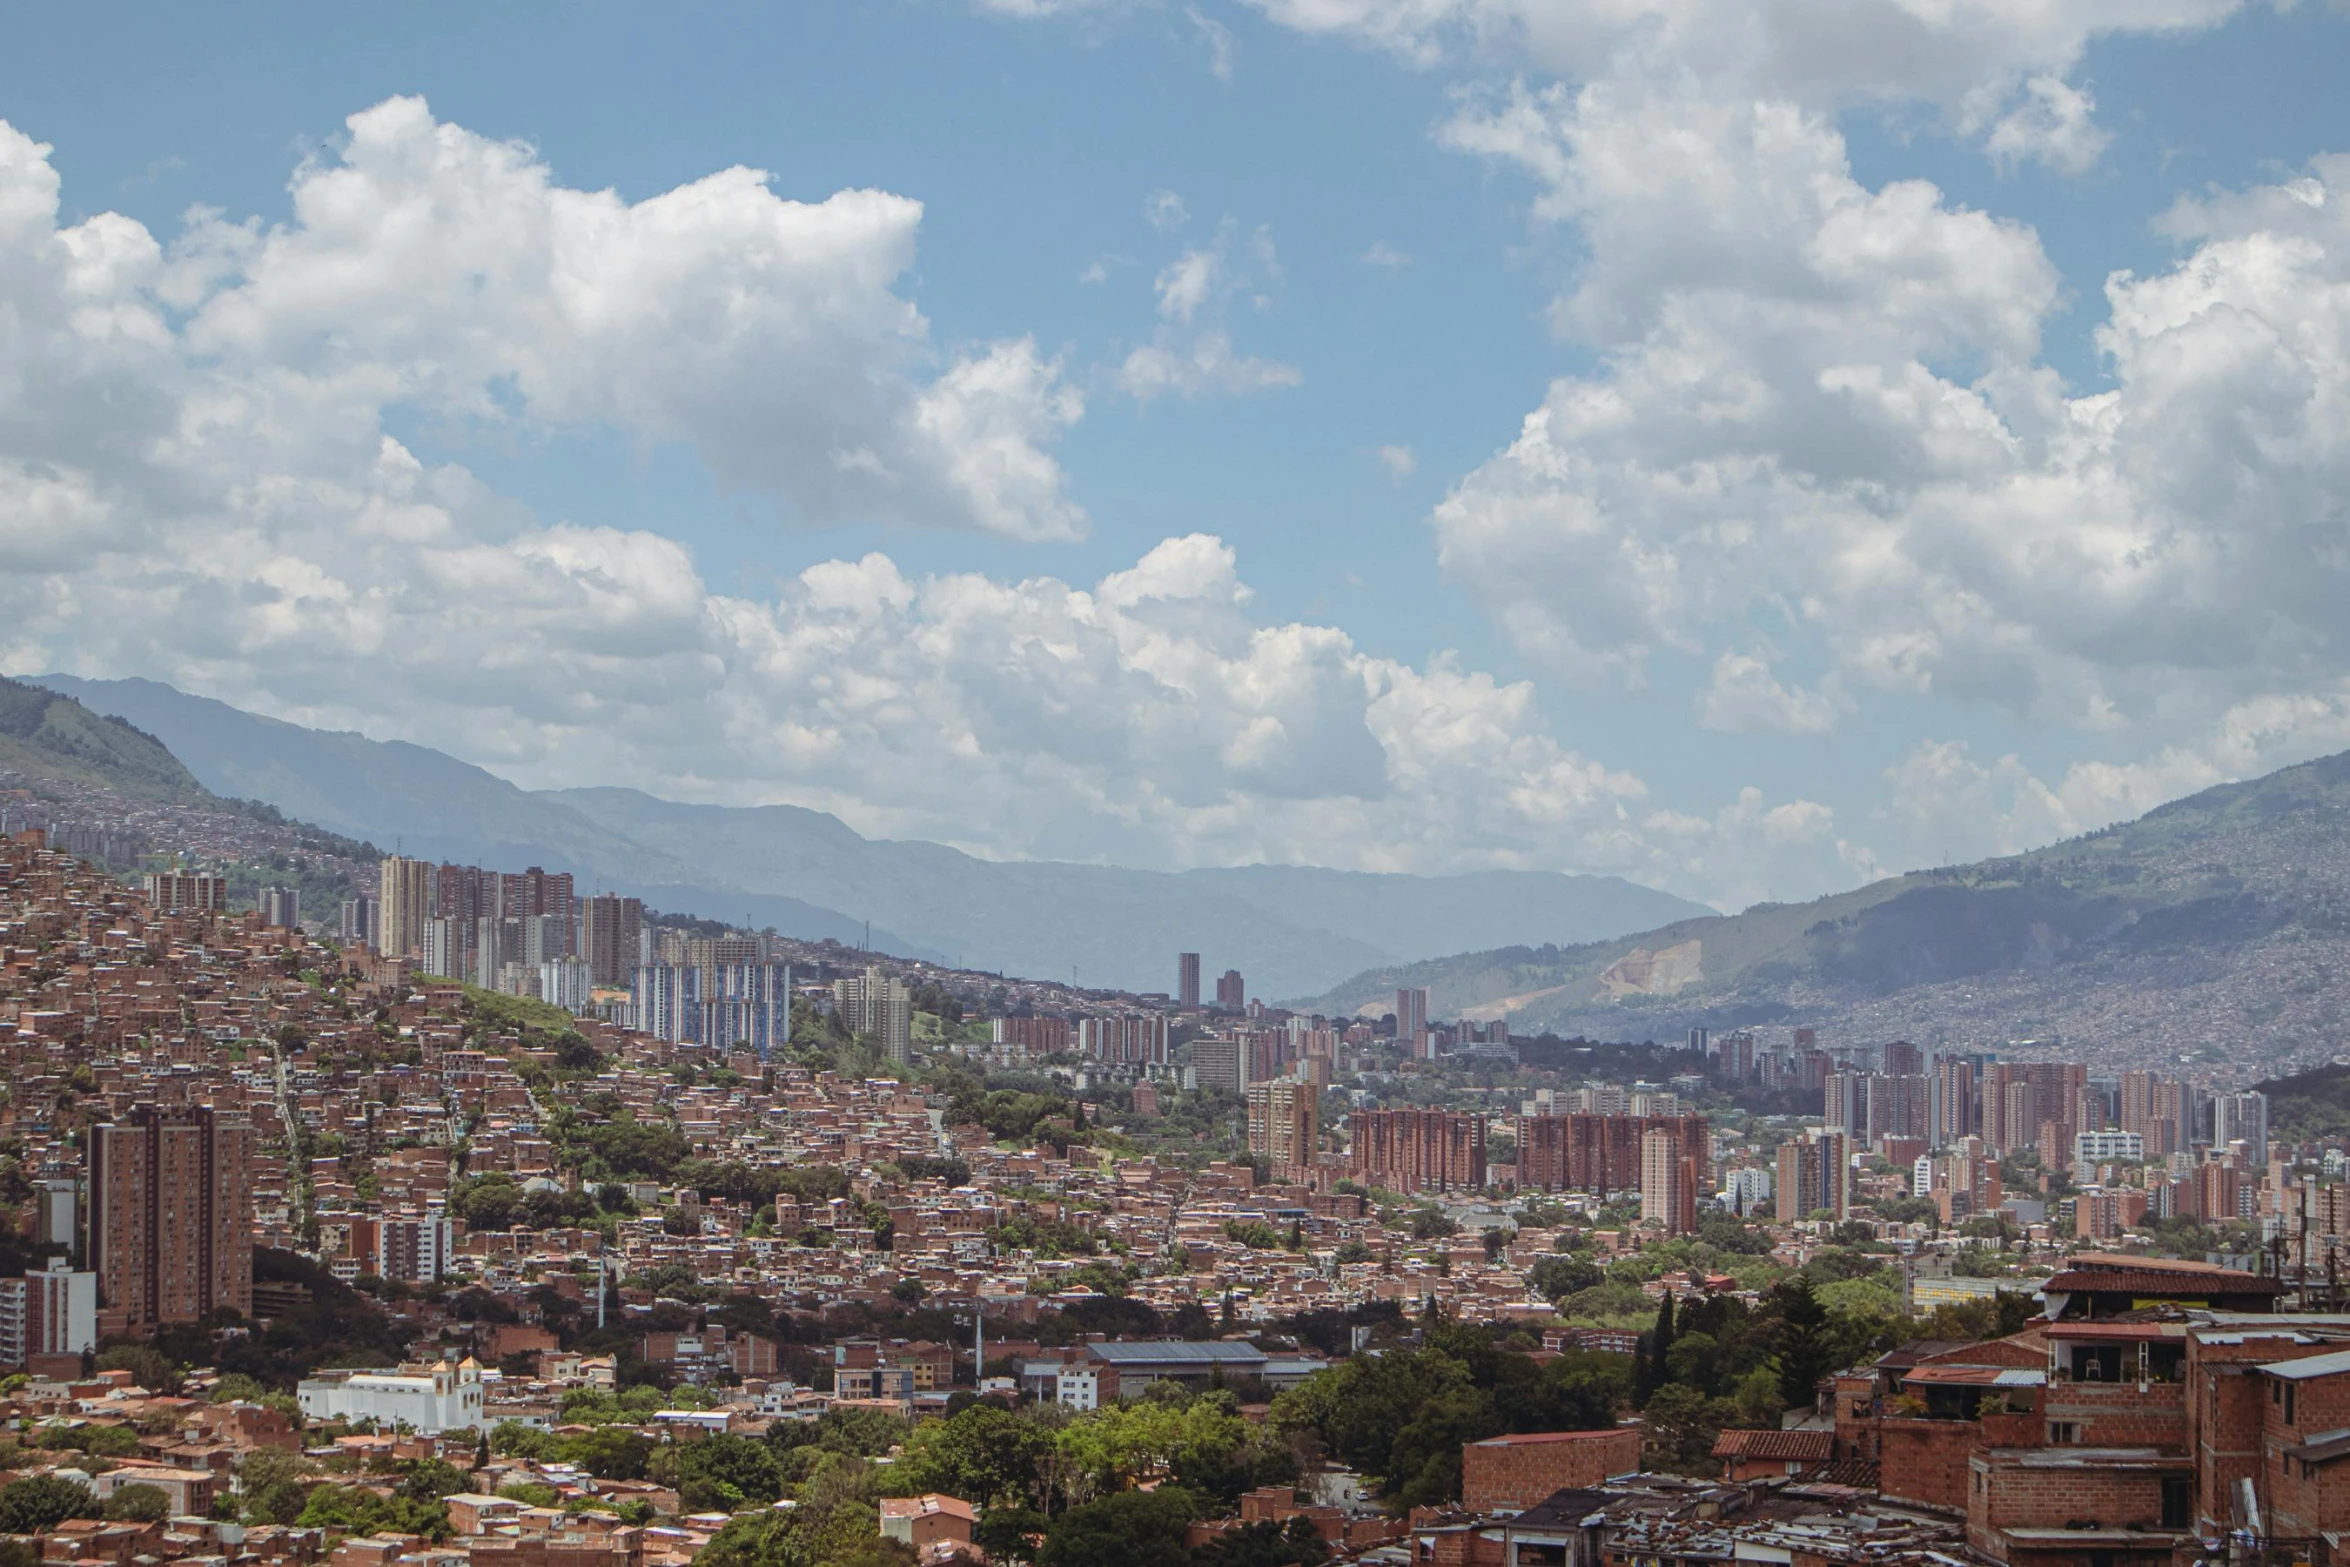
347	1510
1694	1361
1654	1358
430	1479
1294	1544
1424	1465
148	1366
1004	1532
608	1453
1678	1428
719	1473
1804	1353
1559	1277
1131	1529
272	1489
139	1504
39	1503
984	1454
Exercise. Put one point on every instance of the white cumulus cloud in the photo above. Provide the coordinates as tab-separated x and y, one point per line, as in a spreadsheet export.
1190	353
197	484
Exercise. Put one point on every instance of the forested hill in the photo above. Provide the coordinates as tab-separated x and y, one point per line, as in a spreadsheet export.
46	736
2214	925
2310	1104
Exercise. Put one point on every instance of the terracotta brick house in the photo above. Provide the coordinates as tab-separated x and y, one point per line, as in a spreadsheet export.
2305	1440
2080	1506
1505	1473
1756	1455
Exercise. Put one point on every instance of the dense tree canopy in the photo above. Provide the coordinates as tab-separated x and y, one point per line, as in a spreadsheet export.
1403	1415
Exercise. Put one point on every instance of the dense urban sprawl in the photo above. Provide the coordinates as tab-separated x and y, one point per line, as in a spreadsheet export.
476	1220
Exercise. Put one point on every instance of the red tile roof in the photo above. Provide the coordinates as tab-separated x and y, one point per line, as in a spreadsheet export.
2160	1283
1806	1446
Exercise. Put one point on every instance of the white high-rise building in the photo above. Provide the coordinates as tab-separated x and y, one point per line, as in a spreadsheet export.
569	983
54	1312
2241	1118
2091	1148
1748	1190
442	947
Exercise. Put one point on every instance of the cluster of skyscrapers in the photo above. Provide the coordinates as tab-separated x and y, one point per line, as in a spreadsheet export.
742	1002
1231	989
521	932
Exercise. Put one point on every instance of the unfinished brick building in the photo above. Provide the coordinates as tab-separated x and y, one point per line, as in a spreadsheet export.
2115	1443
1517	1471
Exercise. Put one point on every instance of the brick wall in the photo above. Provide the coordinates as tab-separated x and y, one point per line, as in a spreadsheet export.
2227	1411
1515	1472
2303	1499
1926	1460
2116	1414
1856	1414
2049	1488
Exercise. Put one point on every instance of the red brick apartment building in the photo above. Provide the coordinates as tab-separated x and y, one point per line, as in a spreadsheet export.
1599	1153
1420	1150
2116	1442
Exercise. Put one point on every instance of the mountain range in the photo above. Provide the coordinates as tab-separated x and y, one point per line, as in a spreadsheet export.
2214	929
1290	929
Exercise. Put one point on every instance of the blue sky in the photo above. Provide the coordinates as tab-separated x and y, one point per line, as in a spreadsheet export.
1398	259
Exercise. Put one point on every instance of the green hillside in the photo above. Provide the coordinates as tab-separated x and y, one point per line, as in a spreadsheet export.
2309	1104
45	736
2197	879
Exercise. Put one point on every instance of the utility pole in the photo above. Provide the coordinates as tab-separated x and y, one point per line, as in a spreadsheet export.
2304	1280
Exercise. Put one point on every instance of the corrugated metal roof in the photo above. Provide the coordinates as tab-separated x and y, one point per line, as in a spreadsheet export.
1178	1351
1975	1376
1533	1438
2332	1365
2324	1447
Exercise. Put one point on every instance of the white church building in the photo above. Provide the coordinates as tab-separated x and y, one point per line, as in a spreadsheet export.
426	1399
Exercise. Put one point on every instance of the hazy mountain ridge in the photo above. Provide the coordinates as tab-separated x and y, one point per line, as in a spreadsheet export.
810	874
2218	922
49	736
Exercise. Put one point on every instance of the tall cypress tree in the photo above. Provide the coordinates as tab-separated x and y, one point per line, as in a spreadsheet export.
1803	1349
1648	1358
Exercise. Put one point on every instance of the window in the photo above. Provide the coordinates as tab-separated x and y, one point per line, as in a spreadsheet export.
2176	1501
2064	1433
2290	1390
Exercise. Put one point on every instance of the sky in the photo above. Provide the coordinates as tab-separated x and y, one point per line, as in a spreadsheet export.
1748	446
